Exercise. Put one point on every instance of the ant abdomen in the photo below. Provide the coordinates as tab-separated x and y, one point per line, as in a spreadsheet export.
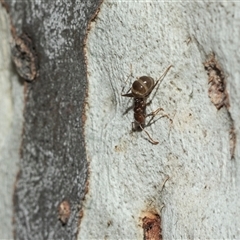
139	119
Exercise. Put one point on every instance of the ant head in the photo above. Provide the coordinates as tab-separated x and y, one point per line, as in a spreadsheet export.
142	87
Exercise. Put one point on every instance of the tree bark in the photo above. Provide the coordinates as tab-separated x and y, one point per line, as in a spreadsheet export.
53	166
187	186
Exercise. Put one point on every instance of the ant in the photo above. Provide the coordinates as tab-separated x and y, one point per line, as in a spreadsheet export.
140	91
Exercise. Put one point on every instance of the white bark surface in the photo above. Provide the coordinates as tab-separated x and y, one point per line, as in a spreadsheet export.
201	196
11	120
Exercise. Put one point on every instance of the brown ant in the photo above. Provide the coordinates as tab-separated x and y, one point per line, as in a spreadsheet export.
140	91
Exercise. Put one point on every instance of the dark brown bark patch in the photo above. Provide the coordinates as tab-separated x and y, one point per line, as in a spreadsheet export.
151	225
217	83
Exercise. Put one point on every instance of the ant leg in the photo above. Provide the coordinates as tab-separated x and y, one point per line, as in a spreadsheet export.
154	113
149	103
126	92
150	139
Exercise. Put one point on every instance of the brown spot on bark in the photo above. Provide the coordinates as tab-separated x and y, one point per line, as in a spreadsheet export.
24	57
233	140
152	227
217	85
5	5
64	211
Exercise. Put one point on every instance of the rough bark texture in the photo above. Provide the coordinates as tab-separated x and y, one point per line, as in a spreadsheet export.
53	164
198	150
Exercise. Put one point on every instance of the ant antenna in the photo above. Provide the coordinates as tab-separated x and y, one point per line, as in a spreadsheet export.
163	75
160	79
